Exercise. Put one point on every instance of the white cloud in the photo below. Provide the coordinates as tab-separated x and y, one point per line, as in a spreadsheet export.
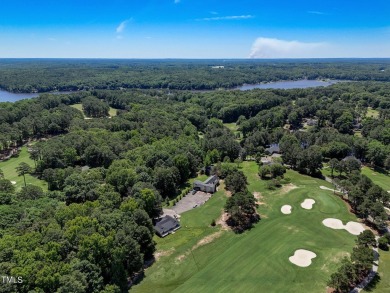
316	12
275	48
231	17
213	12
121	27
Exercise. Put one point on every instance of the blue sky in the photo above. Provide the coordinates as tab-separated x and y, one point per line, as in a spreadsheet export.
194	28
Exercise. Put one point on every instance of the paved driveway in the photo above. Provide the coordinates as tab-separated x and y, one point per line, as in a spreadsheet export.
188	202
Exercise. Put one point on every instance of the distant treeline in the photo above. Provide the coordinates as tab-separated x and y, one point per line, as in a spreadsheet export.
43	75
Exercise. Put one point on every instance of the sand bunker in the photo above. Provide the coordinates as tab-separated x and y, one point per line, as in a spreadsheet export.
302	258
13	182
308	203
354	228
326	188
286	209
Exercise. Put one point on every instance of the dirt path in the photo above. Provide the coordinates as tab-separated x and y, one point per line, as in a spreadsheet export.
161	253
206	240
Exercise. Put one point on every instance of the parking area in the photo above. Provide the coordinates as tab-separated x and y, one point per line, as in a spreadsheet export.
189	202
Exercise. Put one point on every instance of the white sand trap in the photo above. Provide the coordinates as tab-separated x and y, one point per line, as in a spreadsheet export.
13	182
326	188
333	223
286	209
302	258
354	228
308	203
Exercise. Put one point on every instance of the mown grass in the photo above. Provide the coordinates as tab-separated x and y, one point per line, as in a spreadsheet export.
10	173
379	177
381	284
372	113
257	260
233	127
111	112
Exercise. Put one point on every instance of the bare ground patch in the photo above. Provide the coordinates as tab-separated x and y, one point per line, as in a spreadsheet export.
287	188
206	240
222	221
162	253
259	198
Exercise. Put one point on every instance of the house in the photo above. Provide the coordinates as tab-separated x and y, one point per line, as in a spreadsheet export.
166	226
210	185
266	161
273	148
311	122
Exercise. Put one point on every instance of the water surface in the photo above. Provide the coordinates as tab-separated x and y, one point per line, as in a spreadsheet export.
295	84
6	96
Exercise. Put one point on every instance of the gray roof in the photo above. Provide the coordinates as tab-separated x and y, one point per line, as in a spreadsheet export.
273	148
211	180
166	225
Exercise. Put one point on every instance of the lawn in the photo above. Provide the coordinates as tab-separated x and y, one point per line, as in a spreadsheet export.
234	128
372	113
10	173
379	177
381	284
256	261
112	111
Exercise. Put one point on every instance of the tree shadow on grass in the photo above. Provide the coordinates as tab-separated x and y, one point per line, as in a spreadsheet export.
380	170
374	282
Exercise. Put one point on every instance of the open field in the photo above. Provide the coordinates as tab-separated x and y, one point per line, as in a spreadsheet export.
10	173
372	113
379	178
112	111
233	128
258	260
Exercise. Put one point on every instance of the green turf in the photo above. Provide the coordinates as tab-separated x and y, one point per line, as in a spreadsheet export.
379	177
112	111
234	128
372	113
10	173
256	261
381	284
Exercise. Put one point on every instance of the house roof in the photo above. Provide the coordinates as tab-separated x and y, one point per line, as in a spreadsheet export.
273	148
211	180
165	225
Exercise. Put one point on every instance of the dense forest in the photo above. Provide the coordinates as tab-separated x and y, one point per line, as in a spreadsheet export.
43	75
108	178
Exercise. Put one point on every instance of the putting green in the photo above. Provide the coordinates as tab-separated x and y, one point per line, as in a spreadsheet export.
258	260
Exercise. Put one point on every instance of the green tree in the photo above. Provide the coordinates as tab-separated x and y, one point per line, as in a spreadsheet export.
366	238
236	182
333	163
241	208
23	169
6	186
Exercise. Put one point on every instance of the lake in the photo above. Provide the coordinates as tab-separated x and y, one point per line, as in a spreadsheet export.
13	97
293	84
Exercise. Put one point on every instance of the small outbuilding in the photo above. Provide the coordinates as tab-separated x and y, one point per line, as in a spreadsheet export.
210	185
166	225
